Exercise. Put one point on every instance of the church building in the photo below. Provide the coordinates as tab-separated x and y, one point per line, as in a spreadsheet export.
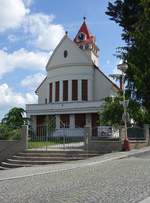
75	87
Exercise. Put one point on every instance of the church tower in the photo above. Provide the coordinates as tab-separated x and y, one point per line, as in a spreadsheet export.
86	41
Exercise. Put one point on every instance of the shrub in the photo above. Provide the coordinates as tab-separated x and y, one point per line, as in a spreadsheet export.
7	133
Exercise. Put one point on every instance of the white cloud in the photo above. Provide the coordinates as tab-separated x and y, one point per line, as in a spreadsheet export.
43	33
28	2
33	81
22	59
12	13
39	27
12	38
10	98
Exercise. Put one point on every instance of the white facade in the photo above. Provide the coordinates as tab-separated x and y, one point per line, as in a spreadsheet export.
68	63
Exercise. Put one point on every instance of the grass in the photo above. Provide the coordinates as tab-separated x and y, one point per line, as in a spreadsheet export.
41	144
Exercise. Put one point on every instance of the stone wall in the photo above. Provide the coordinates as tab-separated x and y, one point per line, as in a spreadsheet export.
8	148
137	144
102	146
106	146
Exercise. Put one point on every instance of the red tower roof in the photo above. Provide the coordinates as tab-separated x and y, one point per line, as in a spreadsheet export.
84	29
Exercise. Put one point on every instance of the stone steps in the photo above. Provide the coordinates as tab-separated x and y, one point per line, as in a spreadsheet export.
33	162
48	158
35	157
3	168
42	154
8	165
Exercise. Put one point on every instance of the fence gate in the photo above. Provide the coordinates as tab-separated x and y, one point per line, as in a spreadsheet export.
48	137
136	133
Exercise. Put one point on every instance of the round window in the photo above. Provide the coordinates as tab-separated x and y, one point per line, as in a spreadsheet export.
65	53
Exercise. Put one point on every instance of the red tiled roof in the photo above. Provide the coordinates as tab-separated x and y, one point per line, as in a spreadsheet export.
84	29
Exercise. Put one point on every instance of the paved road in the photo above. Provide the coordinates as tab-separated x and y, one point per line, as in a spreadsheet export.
118	181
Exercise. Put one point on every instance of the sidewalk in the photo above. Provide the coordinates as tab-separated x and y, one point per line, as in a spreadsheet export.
39	170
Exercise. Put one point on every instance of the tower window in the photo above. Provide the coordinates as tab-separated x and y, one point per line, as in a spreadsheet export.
86	46
57	91
50	92
65	90
74	90
65	54
84	90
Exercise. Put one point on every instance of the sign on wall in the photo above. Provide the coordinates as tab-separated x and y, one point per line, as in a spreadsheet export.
107	132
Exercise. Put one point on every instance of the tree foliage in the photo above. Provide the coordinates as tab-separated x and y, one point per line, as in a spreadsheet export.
14	118
113	110
134	17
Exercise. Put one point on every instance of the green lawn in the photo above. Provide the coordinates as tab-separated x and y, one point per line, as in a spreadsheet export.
40	144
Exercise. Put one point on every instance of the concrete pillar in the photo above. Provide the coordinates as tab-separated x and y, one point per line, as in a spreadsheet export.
34	125
61	91
122	134
69	90
90	90
53	92
24	137
72	121
57	121
88	120
88	135
147	133
79	90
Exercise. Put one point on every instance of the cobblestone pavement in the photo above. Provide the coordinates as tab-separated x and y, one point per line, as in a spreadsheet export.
118	181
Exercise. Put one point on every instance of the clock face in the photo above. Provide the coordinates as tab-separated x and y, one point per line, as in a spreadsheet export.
81	36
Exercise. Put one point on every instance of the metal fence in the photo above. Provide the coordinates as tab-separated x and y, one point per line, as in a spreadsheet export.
45	137
136	133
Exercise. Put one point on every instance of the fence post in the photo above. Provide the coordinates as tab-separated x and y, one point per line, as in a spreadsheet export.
87	137
147	133
122	134
46	136
24	136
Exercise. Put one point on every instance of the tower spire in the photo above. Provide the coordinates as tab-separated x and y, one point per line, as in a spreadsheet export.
84	18
86	41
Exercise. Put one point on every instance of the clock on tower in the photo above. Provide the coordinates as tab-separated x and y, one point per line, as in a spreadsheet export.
81	36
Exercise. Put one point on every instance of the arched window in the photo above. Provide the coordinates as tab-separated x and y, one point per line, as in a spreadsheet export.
65	54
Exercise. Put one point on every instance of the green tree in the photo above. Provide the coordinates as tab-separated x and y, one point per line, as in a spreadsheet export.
134	17
14	118
113	110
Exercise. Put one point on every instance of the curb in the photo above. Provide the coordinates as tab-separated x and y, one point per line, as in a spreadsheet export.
106	159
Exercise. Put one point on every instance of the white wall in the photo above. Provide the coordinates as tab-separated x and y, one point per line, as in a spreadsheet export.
102	86
67	73
99	86
70	73
43	92
75	55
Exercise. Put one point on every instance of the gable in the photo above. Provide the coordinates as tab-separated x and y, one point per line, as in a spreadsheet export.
103	86
41	84
67	53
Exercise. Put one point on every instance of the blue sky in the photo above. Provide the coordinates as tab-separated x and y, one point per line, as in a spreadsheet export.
29	32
